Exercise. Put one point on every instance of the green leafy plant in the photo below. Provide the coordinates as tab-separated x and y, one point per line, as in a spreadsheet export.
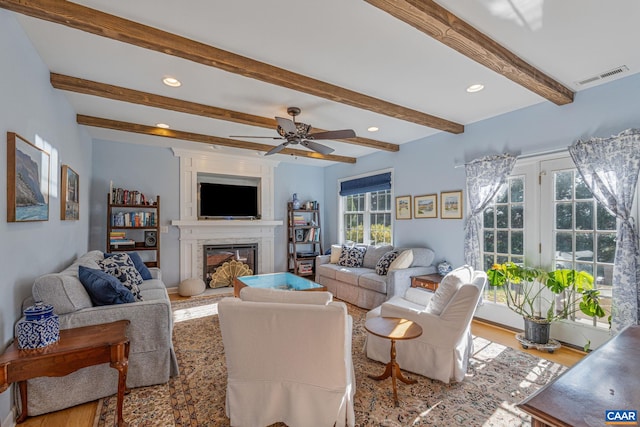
571	290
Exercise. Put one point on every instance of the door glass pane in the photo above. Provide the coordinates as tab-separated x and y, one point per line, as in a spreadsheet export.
502	216
606	247
502	242
584	215
606	220
582	192
489	241
488	217
564	216
517	216
564	246
517	243
564	185
517	190
584	246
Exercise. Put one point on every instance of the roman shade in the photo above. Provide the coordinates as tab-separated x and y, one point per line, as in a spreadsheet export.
366	184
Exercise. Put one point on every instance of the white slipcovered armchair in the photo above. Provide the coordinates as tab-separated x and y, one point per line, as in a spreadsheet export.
288	358
443	350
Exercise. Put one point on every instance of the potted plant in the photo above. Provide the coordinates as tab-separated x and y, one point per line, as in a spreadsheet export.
560	293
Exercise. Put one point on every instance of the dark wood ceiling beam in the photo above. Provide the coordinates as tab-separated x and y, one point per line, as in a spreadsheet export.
435	21
102	24
197	137
103	90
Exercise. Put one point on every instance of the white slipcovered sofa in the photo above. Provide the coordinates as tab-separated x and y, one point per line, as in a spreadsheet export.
362	286
288	356
442	351
151	356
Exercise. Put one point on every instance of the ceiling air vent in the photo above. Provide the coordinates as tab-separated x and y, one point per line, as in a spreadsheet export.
618	70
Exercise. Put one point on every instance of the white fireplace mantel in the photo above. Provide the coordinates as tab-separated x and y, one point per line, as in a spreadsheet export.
194	233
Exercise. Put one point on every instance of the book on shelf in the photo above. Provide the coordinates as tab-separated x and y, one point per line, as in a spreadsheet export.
122	242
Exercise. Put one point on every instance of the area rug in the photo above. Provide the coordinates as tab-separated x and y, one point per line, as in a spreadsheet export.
498	378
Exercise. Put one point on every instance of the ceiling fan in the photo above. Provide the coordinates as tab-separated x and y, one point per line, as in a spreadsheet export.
298	133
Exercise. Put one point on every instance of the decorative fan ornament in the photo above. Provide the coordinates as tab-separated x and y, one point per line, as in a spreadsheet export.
228	271
298	133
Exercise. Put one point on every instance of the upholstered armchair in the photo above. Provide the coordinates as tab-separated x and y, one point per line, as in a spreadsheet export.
443	350
288	357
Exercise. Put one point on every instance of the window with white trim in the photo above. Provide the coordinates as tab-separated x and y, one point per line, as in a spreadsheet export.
366	209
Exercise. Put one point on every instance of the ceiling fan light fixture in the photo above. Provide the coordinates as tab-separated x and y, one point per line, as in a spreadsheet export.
373	129
475	88
171	81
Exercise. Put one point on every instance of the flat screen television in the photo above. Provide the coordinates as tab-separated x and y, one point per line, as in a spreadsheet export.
226	201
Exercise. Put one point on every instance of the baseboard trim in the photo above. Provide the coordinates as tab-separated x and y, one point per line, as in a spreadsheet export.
10	420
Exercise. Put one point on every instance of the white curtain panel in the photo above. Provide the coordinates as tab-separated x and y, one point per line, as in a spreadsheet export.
609	168
484	178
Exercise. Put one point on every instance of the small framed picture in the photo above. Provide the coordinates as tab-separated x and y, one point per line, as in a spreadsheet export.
69	194
451	204
425	206
403	207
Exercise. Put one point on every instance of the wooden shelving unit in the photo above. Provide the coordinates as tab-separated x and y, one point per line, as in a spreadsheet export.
140	230
304	239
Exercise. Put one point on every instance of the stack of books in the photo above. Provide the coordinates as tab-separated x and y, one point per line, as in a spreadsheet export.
118	238
298	220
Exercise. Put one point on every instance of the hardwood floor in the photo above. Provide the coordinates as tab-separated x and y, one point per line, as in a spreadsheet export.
83	415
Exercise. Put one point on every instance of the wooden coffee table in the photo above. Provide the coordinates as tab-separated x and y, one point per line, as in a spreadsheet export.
77	348
393	328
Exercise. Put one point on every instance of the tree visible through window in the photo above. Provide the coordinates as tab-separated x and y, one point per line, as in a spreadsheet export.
367	217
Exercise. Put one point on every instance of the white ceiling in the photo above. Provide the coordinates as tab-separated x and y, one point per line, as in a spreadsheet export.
348	43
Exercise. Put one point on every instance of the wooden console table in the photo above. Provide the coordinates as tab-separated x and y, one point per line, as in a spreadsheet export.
77	348
606	379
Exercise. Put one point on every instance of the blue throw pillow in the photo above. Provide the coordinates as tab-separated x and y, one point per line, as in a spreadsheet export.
103	288
138	263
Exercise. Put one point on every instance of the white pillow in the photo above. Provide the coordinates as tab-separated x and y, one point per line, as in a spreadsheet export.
448	287
403	260
336	250
291	297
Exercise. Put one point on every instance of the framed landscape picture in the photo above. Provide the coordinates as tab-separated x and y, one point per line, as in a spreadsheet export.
451	204
27	181
425	206
69	194
403	207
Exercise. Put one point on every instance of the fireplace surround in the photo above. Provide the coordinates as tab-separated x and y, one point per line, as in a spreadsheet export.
194	233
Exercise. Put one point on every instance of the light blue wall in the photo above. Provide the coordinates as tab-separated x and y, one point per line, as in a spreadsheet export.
152	171
428	165
307	183
30	107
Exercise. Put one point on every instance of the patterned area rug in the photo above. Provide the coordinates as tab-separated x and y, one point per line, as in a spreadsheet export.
498	378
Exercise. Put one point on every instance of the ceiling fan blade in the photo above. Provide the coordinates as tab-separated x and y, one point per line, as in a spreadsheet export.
333	134
287	125
277	149
250	136
322	149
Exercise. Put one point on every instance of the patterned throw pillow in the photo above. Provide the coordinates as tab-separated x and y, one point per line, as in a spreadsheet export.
382	266
121	267
351	256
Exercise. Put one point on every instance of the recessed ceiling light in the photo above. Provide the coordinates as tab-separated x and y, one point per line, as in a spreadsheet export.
373	129
163	125
475	88
171	81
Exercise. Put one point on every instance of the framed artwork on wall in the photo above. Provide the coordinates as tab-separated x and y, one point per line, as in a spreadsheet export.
27	181
451	204
425	206
403	207
69	194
